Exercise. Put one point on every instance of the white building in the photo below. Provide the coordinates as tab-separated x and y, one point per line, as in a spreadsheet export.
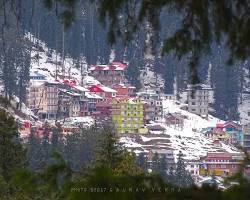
198	97
193	168
154	109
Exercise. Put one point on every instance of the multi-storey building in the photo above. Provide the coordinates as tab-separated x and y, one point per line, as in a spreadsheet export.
42	98
192	166
234	130
93	99
246	137
123	90
35	95
198	99
51	94
72	104
217	134
127	115
109	74
168	153
153	109
220	164
103	91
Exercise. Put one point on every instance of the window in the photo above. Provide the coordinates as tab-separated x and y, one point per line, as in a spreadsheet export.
193	103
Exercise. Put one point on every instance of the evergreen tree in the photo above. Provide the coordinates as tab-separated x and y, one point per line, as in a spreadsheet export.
11	150
142	161
33	155
163	165
159	165
170	178
155	163
109	153
182	177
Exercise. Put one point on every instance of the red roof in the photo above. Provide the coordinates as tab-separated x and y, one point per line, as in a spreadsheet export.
70	83
219	125
227	125
101	88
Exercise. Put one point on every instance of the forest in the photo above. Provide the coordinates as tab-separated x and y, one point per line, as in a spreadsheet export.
93	165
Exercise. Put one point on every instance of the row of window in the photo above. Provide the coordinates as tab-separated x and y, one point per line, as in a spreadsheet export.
131	125
131	119
124	113
218	160
199	103
132	107
201	110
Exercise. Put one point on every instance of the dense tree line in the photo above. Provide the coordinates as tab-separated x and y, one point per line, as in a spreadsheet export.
14	53
86	40
113	173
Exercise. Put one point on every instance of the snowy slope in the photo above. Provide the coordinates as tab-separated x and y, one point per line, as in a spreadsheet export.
46	61
190	141
193	121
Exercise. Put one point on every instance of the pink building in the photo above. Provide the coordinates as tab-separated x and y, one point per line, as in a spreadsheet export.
103	91
109	74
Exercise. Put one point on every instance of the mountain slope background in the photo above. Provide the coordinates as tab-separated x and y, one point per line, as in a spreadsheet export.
87	40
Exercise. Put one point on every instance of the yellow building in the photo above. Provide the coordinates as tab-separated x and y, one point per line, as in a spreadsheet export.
127	115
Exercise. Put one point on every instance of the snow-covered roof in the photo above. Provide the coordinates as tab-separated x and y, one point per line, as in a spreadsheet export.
36	73
90	95
81	89
37	83
101	88
114	66
85	121
70	92
107	89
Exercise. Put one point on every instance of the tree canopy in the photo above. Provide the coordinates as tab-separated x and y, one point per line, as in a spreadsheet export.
200	24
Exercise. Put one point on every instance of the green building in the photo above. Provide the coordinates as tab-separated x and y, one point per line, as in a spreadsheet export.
127	115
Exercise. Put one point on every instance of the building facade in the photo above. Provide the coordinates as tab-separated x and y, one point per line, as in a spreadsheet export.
103	91
220	164
246	137
109	74
42	98
127	115
153	109
198	99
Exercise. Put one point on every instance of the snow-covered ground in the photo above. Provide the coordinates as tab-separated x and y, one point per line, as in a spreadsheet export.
190	141
193	121
86	121
46	61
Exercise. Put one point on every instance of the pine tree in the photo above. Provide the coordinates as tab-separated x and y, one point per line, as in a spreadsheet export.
155	163
170	176
182	177
163	165
11	150
142	161
109	154
159	165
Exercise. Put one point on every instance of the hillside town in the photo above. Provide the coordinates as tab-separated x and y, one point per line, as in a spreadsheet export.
124	99
144	120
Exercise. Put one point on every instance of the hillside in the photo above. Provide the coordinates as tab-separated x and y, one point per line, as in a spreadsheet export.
47	62
190	140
